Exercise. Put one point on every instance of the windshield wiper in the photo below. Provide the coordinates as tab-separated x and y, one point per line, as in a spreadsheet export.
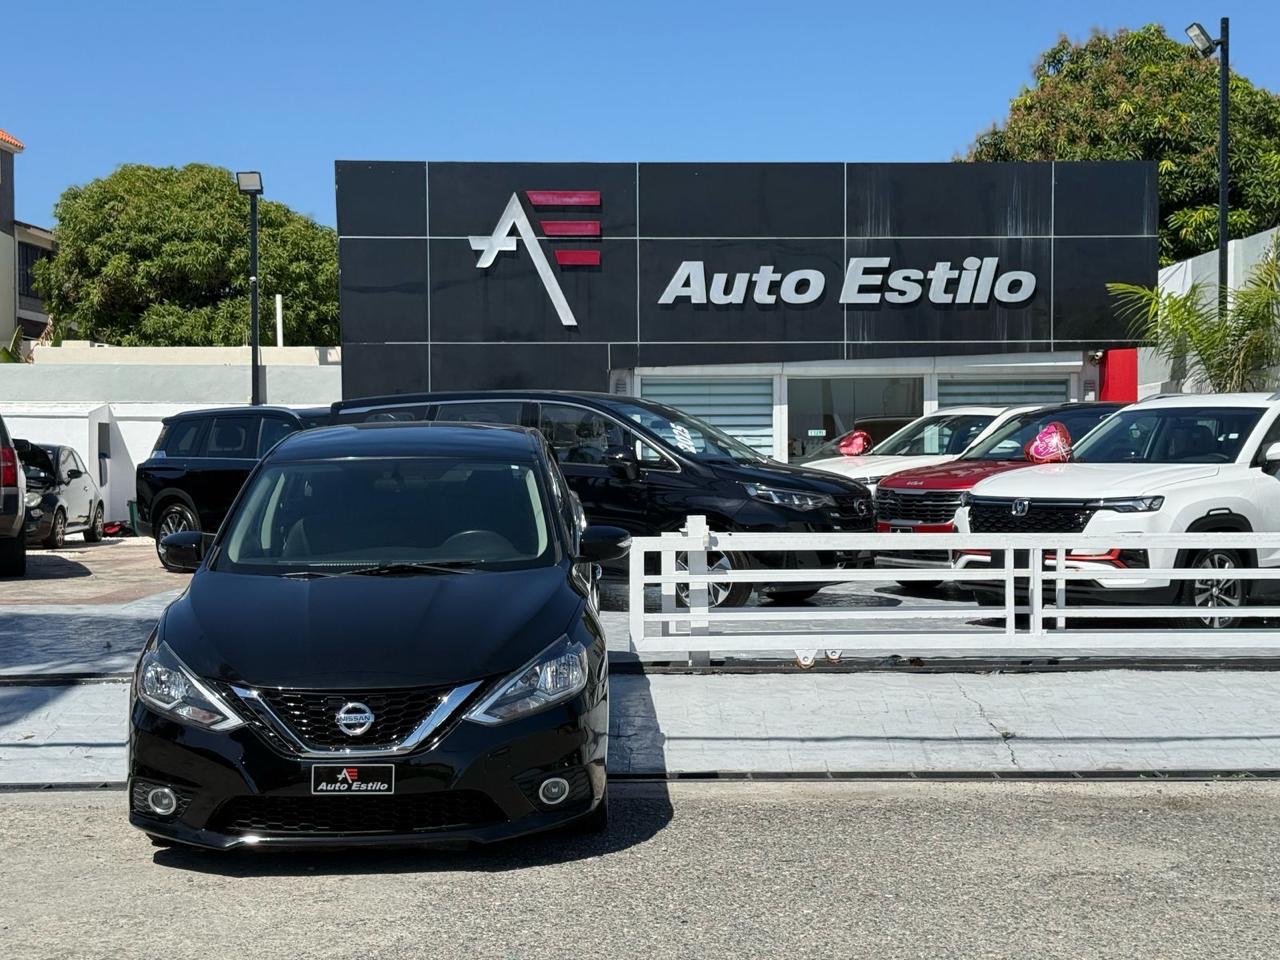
305	575
404	568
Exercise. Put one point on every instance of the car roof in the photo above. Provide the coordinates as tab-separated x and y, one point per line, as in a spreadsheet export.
966	410
409	439
1202	400
405	399
229	411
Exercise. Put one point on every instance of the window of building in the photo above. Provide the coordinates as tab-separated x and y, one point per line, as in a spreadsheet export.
740	406
820	409
1013	393
28	256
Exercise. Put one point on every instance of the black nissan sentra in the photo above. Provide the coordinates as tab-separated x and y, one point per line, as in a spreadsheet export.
391	639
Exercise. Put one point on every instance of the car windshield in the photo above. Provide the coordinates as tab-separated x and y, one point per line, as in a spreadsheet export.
331	515
1009	441
689	435
932	436
1171	435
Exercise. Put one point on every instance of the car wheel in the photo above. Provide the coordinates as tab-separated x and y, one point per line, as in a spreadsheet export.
718	594
95	532
1218	589
58	532
13	557
792	596
175	518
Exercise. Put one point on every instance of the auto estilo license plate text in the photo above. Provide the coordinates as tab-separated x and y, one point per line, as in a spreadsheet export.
365	778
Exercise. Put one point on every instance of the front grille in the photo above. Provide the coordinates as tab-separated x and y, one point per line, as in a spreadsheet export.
997	516
852	511
312	714
344	814
927	506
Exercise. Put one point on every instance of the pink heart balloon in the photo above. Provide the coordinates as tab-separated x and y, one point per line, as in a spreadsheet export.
1051	445
855	443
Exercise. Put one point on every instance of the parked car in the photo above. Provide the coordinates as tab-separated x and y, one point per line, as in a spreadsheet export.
62	496
925	500
932	439
391	639
200	460
1180	464
13	510
645	467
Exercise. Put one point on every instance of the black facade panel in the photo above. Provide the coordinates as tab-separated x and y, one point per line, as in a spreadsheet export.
1084	312
378	369
468	198
1096	199
382	292
741	199
993	324
948	200
381	199
738	261
506	301
497	366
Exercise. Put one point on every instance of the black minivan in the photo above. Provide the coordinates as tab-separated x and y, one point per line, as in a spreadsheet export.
391	639
645	467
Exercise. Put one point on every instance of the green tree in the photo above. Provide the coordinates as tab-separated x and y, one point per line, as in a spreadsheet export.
1236	351
1140	95
159	256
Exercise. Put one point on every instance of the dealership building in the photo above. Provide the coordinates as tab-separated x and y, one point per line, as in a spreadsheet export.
781	301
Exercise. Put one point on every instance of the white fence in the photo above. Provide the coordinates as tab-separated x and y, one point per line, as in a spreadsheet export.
1032	620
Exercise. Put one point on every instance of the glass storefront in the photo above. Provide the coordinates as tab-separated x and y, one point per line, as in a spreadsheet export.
820	409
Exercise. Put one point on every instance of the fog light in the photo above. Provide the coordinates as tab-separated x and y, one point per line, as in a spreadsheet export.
553	790
162	801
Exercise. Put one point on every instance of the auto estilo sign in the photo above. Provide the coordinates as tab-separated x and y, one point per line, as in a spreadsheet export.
492	274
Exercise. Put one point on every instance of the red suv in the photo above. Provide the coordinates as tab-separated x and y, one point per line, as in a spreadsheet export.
925	499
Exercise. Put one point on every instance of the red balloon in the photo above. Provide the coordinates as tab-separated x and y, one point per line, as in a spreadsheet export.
854	443
1051	445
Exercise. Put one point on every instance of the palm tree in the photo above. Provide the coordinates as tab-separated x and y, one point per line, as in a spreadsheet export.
1232	351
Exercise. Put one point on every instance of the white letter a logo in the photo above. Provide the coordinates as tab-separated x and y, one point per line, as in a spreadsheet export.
501	240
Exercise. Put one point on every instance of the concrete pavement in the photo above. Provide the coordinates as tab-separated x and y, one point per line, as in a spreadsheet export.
937	871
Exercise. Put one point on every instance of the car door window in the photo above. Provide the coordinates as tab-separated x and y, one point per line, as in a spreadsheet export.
1272	436
491	411
232	438
66	463
579	435
274	429
181	439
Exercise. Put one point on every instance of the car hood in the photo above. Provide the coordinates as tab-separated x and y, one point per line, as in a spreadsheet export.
872	466
1073	481
956	475
785	476
352	631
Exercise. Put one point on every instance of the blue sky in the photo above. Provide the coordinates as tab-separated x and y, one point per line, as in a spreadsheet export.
288	87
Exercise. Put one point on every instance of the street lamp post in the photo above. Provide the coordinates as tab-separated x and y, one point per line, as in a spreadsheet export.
1205	44
251	184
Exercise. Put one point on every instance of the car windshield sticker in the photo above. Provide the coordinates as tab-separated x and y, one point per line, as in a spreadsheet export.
683	440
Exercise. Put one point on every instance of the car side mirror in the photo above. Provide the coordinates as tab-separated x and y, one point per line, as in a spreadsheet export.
183	550
1271	458
74	474
599	543
622	462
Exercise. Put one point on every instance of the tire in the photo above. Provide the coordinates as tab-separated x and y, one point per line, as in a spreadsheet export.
792	596
174	517
13	557
95	534
595	822
1215	592
718	594
57	532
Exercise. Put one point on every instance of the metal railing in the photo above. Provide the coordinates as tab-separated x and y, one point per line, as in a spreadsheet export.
1030	573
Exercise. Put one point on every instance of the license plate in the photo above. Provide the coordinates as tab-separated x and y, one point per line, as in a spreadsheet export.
901	530
363	778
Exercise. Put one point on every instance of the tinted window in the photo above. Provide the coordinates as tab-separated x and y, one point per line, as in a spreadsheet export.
274	429
1010	441
232	437
1171	435
579	435
181	438
479	412
351	513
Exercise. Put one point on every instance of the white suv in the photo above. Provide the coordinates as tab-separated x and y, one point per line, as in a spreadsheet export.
1172	464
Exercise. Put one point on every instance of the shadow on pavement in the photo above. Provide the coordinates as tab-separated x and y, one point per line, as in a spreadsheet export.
48	566
637	812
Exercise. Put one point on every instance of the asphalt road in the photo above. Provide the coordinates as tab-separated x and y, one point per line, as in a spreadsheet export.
703	870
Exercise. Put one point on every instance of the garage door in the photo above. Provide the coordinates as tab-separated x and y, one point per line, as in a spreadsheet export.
956	393
740	406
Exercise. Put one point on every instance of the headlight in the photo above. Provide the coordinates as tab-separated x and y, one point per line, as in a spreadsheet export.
33	499
1130	504
555	675
165	684
795	499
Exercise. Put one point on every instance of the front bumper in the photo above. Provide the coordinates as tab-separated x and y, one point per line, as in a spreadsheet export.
471	784
38	525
